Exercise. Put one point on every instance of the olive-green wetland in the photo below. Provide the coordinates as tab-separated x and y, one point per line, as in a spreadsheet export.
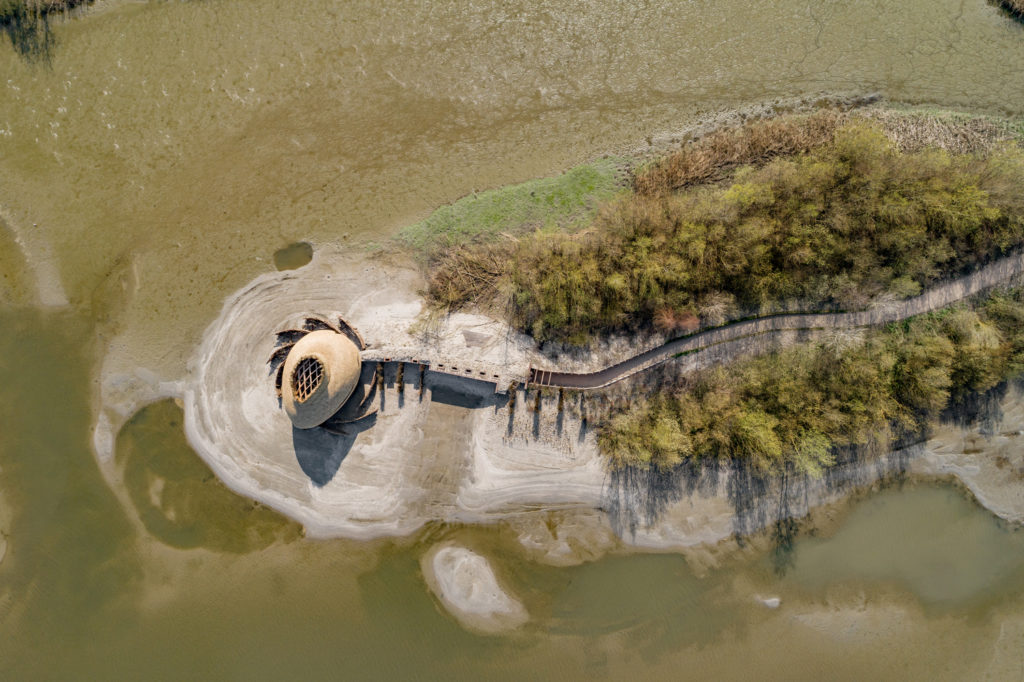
155	156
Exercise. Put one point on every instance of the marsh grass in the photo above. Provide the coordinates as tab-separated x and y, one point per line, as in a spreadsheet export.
564	202
916	129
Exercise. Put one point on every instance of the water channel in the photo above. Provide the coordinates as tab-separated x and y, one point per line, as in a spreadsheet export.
166	153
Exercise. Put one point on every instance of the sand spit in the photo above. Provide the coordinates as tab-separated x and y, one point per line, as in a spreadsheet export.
387	480
465	583
455	451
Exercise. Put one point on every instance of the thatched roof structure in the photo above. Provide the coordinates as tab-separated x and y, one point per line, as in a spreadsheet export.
320	373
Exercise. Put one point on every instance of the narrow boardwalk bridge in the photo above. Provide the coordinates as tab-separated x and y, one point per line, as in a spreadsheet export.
503	376
939	297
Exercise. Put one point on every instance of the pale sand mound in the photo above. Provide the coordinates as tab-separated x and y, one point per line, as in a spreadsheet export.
468	588
423	459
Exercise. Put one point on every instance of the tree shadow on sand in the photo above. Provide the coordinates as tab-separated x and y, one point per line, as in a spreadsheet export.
636	498
28	25
29	31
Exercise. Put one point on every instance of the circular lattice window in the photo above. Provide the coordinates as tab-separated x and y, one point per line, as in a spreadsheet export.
306	378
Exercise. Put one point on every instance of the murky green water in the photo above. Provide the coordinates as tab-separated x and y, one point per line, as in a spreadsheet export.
293	256
169	149
951	558
213	586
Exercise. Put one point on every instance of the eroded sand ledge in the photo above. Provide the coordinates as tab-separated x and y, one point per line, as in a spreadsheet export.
457	453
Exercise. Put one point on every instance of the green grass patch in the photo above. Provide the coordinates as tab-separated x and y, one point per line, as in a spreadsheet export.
567	201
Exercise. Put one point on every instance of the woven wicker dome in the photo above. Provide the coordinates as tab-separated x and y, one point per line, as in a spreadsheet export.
320	373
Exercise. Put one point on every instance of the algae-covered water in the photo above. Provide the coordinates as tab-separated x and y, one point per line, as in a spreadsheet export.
168	152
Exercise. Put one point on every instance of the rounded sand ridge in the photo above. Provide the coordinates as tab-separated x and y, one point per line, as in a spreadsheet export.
311	400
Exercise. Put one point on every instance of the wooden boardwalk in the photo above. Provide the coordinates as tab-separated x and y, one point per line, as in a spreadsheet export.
503	376
938	297
500	375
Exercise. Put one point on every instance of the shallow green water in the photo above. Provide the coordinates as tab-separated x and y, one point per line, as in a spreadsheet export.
157	163
948	558
293	256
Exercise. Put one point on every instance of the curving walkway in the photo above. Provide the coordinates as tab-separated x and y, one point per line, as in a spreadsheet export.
939	297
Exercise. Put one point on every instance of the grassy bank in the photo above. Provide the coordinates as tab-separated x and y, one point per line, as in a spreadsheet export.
564	202
817	209
793	407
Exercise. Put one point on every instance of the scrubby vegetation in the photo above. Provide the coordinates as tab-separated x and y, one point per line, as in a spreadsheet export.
27	24
1014	7
711	157
793	407
835	217
563	202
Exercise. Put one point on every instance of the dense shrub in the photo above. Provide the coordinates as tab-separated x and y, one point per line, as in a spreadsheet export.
794	406
849	221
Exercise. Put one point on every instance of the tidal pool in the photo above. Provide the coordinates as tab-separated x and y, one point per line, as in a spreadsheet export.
155	163
293	256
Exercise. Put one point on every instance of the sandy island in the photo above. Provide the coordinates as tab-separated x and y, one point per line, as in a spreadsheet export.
456	452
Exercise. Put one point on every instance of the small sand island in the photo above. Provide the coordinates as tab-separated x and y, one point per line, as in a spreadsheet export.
465	583
718	339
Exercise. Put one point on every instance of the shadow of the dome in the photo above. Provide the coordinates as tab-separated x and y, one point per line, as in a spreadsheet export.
320	451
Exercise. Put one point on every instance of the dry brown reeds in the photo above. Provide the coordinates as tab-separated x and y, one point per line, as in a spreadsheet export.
709	158
913	131
468	273
669	320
